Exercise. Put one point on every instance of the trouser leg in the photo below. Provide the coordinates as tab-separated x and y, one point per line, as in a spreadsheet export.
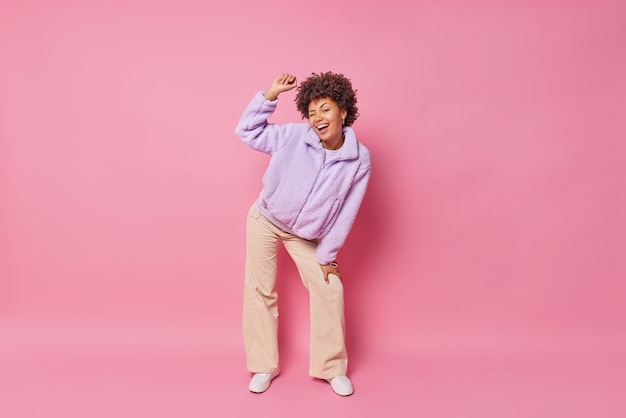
260	305
328	356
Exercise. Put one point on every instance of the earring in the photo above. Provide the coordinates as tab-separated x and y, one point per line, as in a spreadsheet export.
343	121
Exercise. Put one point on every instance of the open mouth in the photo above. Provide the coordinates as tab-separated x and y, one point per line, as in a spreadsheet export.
322	128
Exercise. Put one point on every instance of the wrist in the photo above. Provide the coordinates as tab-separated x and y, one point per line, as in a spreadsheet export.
271	96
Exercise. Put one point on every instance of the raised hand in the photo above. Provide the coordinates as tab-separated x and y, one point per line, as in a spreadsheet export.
282	83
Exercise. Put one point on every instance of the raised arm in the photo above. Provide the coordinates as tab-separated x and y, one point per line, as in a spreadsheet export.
253	128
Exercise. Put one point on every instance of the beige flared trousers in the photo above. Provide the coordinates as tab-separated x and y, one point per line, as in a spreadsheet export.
328	357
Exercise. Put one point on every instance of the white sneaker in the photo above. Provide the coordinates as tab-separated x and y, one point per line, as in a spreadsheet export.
341	385
260	382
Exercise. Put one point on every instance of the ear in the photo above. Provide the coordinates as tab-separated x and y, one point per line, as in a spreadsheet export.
344	113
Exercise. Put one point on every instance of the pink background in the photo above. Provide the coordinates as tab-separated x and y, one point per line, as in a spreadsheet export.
485	273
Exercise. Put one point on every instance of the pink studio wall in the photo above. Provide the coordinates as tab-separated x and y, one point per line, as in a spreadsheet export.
496	213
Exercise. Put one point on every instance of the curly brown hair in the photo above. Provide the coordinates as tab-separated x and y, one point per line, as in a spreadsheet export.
323	85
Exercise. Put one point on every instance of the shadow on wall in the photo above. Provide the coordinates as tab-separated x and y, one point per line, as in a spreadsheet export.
362	248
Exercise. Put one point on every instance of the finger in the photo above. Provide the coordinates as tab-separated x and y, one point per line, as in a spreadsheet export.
287	78
326	278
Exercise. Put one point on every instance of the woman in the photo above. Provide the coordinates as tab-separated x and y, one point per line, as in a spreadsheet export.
312	190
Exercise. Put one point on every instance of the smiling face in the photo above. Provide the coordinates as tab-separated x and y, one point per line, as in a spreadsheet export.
326	119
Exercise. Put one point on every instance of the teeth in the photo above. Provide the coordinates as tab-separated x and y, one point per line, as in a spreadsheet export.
322	126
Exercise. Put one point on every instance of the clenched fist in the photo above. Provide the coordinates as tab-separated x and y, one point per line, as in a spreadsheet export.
283	82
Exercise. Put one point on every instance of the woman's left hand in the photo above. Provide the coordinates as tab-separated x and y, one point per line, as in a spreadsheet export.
330	268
